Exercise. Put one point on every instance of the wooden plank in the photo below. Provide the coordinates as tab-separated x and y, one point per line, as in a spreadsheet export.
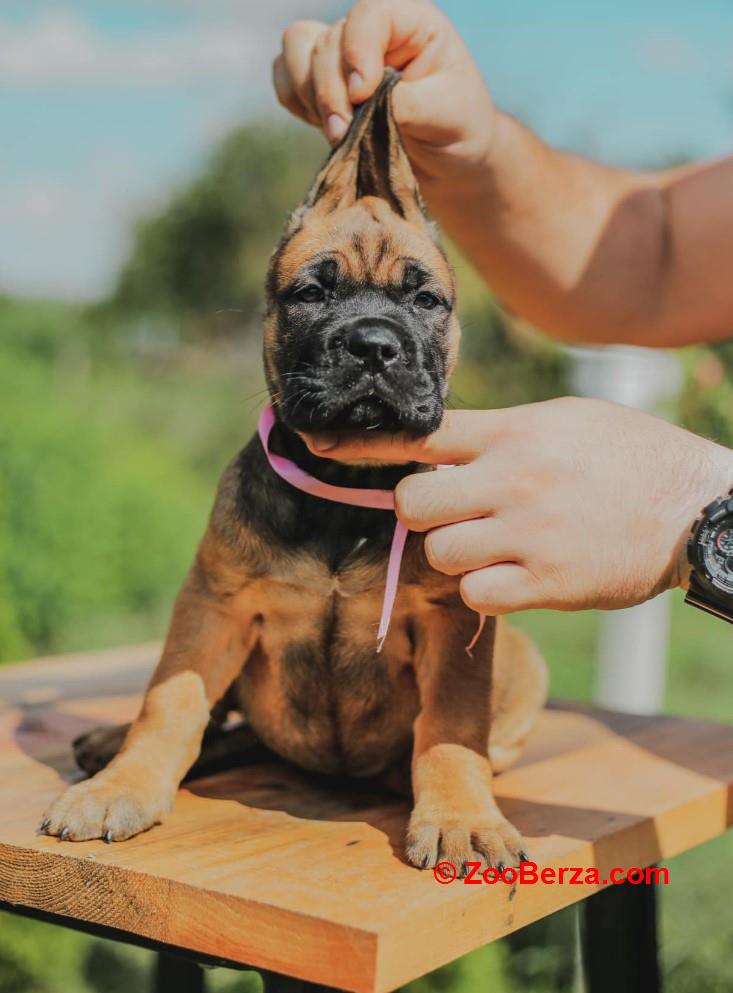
270	867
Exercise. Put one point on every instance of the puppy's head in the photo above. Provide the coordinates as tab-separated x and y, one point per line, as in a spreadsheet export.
360	332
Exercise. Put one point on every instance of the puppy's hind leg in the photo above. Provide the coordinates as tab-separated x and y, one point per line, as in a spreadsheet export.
95	749
518	694
221	746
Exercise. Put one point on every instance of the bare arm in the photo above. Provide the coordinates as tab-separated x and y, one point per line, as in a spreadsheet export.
590	253
586	252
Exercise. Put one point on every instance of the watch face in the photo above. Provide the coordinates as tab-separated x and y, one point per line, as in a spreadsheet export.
716	548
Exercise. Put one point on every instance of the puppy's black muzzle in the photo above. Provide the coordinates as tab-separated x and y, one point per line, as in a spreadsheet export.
376	345
365	373
362	359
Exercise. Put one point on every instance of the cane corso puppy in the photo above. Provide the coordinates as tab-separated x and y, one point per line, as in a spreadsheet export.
278	614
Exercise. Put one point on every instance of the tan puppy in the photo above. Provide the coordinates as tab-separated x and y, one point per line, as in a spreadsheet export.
279	612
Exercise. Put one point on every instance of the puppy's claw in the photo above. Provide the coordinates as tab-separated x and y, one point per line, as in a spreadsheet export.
523	857
108	838
44	825
64	834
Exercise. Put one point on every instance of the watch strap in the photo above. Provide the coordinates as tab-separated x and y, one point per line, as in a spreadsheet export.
701	598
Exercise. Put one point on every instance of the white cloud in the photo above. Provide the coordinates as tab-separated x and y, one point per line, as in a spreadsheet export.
59	47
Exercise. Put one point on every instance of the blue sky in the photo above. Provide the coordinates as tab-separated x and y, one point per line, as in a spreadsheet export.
106	104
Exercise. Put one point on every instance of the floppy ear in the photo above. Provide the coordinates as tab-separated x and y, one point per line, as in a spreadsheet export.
369	161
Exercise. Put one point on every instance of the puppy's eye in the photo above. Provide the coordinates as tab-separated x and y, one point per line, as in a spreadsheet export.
312	293
427	301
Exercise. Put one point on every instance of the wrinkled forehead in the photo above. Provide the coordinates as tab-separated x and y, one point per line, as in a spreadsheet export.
369	243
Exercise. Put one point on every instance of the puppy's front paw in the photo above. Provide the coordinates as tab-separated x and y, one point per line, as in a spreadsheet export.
438	834
103	807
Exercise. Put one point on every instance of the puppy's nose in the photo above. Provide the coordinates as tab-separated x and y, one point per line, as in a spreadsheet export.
377	346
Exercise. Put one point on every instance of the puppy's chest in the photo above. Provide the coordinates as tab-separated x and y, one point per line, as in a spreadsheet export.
315	689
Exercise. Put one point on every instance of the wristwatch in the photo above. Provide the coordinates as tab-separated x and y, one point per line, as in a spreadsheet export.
710	554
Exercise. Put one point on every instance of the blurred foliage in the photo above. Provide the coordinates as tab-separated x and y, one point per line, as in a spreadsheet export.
204	256
117	422
706	403
106	481
36	957
503	362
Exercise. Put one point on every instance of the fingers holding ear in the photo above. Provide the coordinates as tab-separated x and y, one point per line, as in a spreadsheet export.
379	33
285	90
329	83
292	73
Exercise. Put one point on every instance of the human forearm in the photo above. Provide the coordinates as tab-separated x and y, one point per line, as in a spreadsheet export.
577	248
590	253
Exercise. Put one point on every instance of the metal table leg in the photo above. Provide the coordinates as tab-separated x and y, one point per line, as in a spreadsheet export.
275	983
619	940
176	974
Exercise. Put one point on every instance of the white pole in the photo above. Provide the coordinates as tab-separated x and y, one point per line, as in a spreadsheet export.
631	659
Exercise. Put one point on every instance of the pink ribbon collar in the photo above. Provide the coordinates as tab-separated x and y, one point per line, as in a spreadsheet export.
376	499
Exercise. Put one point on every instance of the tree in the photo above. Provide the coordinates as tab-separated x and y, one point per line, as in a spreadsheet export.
206	252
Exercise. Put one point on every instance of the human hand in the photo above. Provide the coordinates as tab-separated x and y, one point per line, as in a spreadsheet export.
442	107
568	504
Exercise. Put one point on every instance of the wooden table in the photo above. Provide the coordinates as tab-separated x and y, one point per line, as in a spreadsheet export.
267	867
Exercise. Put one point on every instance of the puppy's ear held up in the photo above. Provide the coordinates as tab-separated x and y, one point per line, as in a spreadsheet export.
370	161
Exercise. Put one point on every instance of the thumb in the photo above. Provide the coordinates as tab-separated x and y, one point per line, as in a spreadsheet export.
462	437
425	110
